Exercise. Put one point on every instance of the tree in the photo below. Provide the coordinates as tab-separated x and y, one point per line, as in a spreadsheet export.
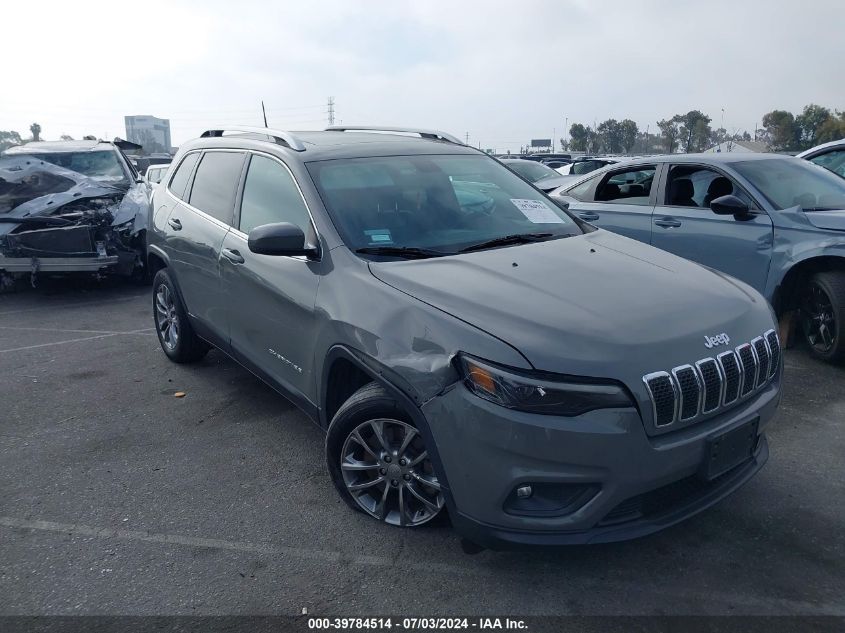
809	122
695	130
629	132
578	138
8	139
66	137
36	131
780	131
832	129
610	133
669	131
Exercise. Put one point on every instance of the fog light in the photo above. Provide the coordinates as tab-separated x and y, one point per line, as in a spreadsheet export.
523	492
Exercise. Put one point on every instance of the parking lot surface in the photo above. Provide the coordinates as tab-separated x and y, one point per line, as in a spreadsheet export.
116	497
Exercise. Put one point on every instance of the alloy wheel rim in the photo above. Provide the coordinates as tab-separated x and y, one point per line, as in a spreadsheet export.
818	319
167	320
387	470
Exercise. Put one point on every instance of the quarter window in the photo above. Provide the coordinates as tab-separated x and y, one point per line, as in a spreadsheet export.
271	195
215	184
628	186
183	172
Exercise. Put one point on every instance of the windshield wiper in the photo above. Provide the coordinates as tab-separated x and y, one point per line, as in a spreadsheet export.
408	252
516	238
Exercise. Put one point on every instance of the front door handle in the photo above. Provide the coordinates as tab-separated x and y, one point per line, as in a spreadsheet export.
589	216
233	256
668	223
175	224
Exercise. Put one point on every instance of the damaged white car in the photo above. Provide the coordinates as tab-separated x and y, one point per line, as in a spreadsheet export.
71	207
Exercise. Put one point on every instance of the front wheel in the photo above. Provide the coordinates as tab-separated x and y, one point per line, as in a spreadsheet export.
379	462
822	307
177	337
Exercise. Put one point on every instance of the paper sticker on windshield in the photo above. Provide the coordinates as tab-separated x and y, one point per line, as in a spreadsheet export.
379	236
537	211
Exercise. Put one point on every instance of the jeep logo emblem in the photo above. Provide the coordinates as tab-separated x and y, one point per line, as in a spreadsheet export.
713	341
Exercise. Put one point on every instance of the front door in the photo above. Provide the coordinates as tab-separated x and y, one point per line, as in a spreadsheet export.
684	224
271	298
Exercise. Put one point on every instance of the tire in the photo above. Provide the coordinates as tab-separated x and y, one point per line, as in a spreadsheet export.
378	461
822	309
175	334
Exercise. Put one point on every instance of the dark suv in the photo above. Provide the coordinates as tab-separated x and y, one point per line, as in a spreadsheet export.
465	342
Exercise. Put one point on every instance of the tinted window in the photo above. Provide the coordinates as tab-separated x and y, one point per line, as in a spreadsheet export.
183	172
834	161
696	186
532	171
215	183
789	182
629	186
435	202
271	195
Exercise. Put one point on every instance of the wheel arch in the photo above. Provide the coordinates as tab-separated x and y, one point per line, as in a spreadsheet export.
785	297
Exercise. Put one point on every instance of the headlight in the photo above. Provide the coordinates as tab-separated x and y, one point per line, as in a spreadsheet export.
535	393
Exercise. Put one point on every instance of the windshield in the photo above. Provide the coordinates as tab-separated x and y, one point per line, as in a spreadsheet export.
532	171
787	182
433	202
101	165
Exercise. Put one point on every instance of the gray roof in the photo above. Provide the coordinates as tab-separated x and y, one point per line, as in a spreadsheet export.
57	146
327	145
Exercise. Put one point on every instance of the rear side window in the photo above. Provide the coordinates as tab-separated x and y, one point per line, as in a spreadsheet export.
183	172
629	186
271	195
215	183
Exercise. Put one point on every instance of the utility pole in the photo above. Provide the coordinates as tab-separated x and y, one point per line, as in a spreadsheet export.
264	112
331	111
466	142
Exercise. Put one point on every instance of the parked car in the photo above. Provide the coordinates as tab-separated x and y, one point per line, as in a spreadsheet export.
586	164
540	175
829	155
544	380
775	222
156	172
71	207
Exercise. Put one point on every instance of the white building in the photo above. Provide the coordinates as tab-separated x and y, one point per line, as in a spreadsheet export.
150	132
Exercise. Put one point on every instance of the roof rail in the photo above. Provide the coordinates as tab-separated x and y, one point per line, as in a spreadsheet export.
279	136
432	134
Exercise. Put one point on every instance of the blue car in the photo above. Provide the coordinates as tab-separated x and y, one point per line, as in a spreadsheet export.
775	222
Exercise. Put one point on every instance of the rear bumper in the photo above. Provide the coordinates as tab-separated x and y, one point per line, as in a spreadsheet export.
609	479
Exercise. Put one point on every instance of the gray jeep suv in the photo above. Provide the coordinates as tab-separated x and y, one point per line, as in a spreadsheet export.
465	341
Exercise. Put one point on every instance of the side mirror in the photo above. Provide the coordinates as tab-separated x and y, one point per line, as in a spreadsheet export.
281	238
729	205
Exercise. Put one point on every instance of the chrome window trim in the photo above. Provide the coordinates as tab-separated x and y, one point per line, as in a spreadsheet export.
725	376
662	374
722	385
681	393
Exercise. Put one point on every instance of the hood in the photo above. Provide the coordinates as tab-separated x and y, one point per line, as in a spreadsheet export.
830	220
597	304
30	187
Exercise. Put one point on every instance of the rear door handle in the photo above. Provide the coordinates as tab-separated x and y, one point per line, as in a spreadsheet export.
175	224
668	223
233	256
589	216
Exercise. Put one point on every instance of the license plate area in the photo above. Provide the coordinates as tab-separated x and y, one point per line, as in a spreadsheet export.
730	449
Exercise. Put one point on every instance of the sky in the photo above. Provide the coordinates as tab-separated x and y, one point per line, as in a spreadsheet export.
496	72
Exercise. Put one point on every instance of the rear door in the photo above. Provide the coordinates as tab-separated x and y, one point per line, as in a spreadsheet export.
195	230
684	224
620	200
271	298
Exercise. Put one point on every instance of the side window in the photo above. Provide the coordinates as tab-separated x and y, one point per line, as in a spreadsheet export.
696	186
834	161
271	195
183	172
581	191
215	184
627	186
